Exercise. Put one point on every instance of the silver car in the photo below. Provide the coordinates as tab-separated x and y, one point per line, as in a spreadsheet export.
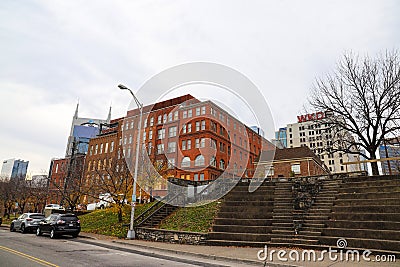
27	222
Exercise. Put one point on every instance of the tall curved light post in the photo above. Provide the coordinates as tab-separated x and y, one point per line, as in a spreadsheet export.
131	231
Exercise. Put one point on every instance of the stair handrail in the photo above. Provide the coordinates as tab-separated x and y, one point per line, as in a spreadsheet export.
153	209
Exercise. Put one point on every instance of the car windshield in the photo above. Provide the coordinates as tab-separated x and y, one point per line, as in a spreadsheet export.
37	216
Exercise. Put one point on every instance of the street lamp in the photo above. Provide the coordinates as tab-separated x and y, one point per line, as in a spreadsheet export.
131	231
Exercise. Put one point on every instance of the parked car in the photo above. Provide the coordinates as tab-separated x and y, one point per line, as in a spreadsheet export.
53	208
91	206
60	224
27	222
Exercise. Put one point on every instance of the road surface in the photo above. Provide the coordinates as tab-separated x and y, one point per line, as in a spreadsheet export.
18	249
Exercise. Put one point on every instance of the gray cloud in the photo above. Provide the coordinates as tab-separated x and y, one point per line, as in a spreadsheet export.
54	52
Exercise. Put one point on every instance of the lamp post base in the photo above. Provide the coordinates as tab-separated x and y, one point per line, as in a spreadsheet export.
131	234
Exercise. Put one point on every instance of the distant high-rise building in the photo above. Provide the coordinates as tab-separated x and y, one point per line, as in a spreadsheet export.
82	130
390	149
280	140
310	130
258	130
14	168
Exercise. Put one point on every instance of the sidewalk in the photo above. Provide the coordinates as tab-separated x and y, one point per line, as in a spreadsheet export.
238	255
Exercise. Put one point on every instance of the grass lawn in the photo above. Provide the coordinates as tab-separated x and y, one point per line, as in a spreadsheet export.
105	221
192	219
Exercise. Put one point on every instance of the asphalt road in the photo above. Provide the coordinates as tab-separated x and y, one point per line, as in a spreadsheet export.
18	249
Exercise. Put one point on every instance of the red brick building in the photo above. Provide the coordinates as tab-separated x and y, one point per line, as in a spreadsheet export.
195	141
64	170
200	139
294	162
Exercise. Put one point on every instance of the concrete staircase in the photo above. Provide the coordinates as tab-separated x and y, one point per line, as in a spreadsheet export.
366	212
155	219
283	214
363	210
244	219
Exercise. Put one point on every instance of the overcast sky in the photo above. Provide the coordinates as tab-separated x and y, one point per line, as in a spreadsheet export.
56	52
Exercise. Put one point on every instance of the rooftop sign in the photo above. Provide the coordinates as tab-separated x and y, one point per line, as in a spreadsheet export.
311	117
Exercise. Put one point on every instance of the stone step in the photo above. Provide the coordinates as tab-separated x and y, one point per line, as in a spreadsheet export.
370	189
249	222
357	184
358	202
395	217
247	209
280	224
313	225
294	240
368	208
249	202
242	229
380	195
248	197
283	232
239	236
282	217
363	233
328	192
230	243
318	210
307	232
367	224
245	215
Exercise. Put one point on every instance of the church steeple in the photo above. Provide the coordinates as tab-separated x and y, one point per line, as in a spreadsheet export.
109	115
76	110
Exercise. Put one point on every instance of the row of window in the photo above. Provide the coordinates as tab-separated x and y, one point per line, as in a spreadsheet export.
102	148
174	116
200	161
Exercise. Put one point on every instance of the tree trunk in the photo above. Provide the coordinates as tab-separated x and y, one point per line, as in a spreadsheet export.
374	165
119	214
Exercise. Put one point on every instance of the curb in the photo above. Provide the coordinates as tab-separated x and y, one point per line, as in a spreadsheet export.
198	255
207	256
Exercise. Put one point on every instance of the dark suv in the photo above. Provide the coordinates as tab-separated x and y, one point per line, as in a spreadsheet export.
60	224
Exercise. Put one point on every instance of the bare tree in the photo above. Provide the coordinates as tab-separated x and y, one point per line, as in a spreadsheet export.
114	178
153	171
74	186
23	192
7	195
362	98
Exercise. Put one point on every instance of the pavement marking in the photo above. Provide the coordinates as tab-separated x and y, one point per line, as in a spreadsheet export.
29	257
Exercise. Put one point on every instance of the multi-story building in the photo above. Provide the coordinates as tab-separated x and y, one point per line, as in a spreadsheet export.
390	149
193	140
280	140
311	131
294	162
14	168
71	166
81	133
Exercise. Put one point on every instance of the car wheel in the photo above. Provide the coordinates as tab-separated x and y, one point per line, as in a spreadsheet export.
12	229
38	232
53	234
75	235
22	229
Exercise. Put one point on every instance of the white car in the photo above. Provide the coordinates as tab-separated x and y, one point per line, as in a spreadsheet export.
53	207
91	206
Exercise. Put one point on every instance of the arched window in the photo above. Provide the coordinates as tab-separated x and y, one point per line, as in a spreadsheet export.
199	161
213	162
222	164
185	162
